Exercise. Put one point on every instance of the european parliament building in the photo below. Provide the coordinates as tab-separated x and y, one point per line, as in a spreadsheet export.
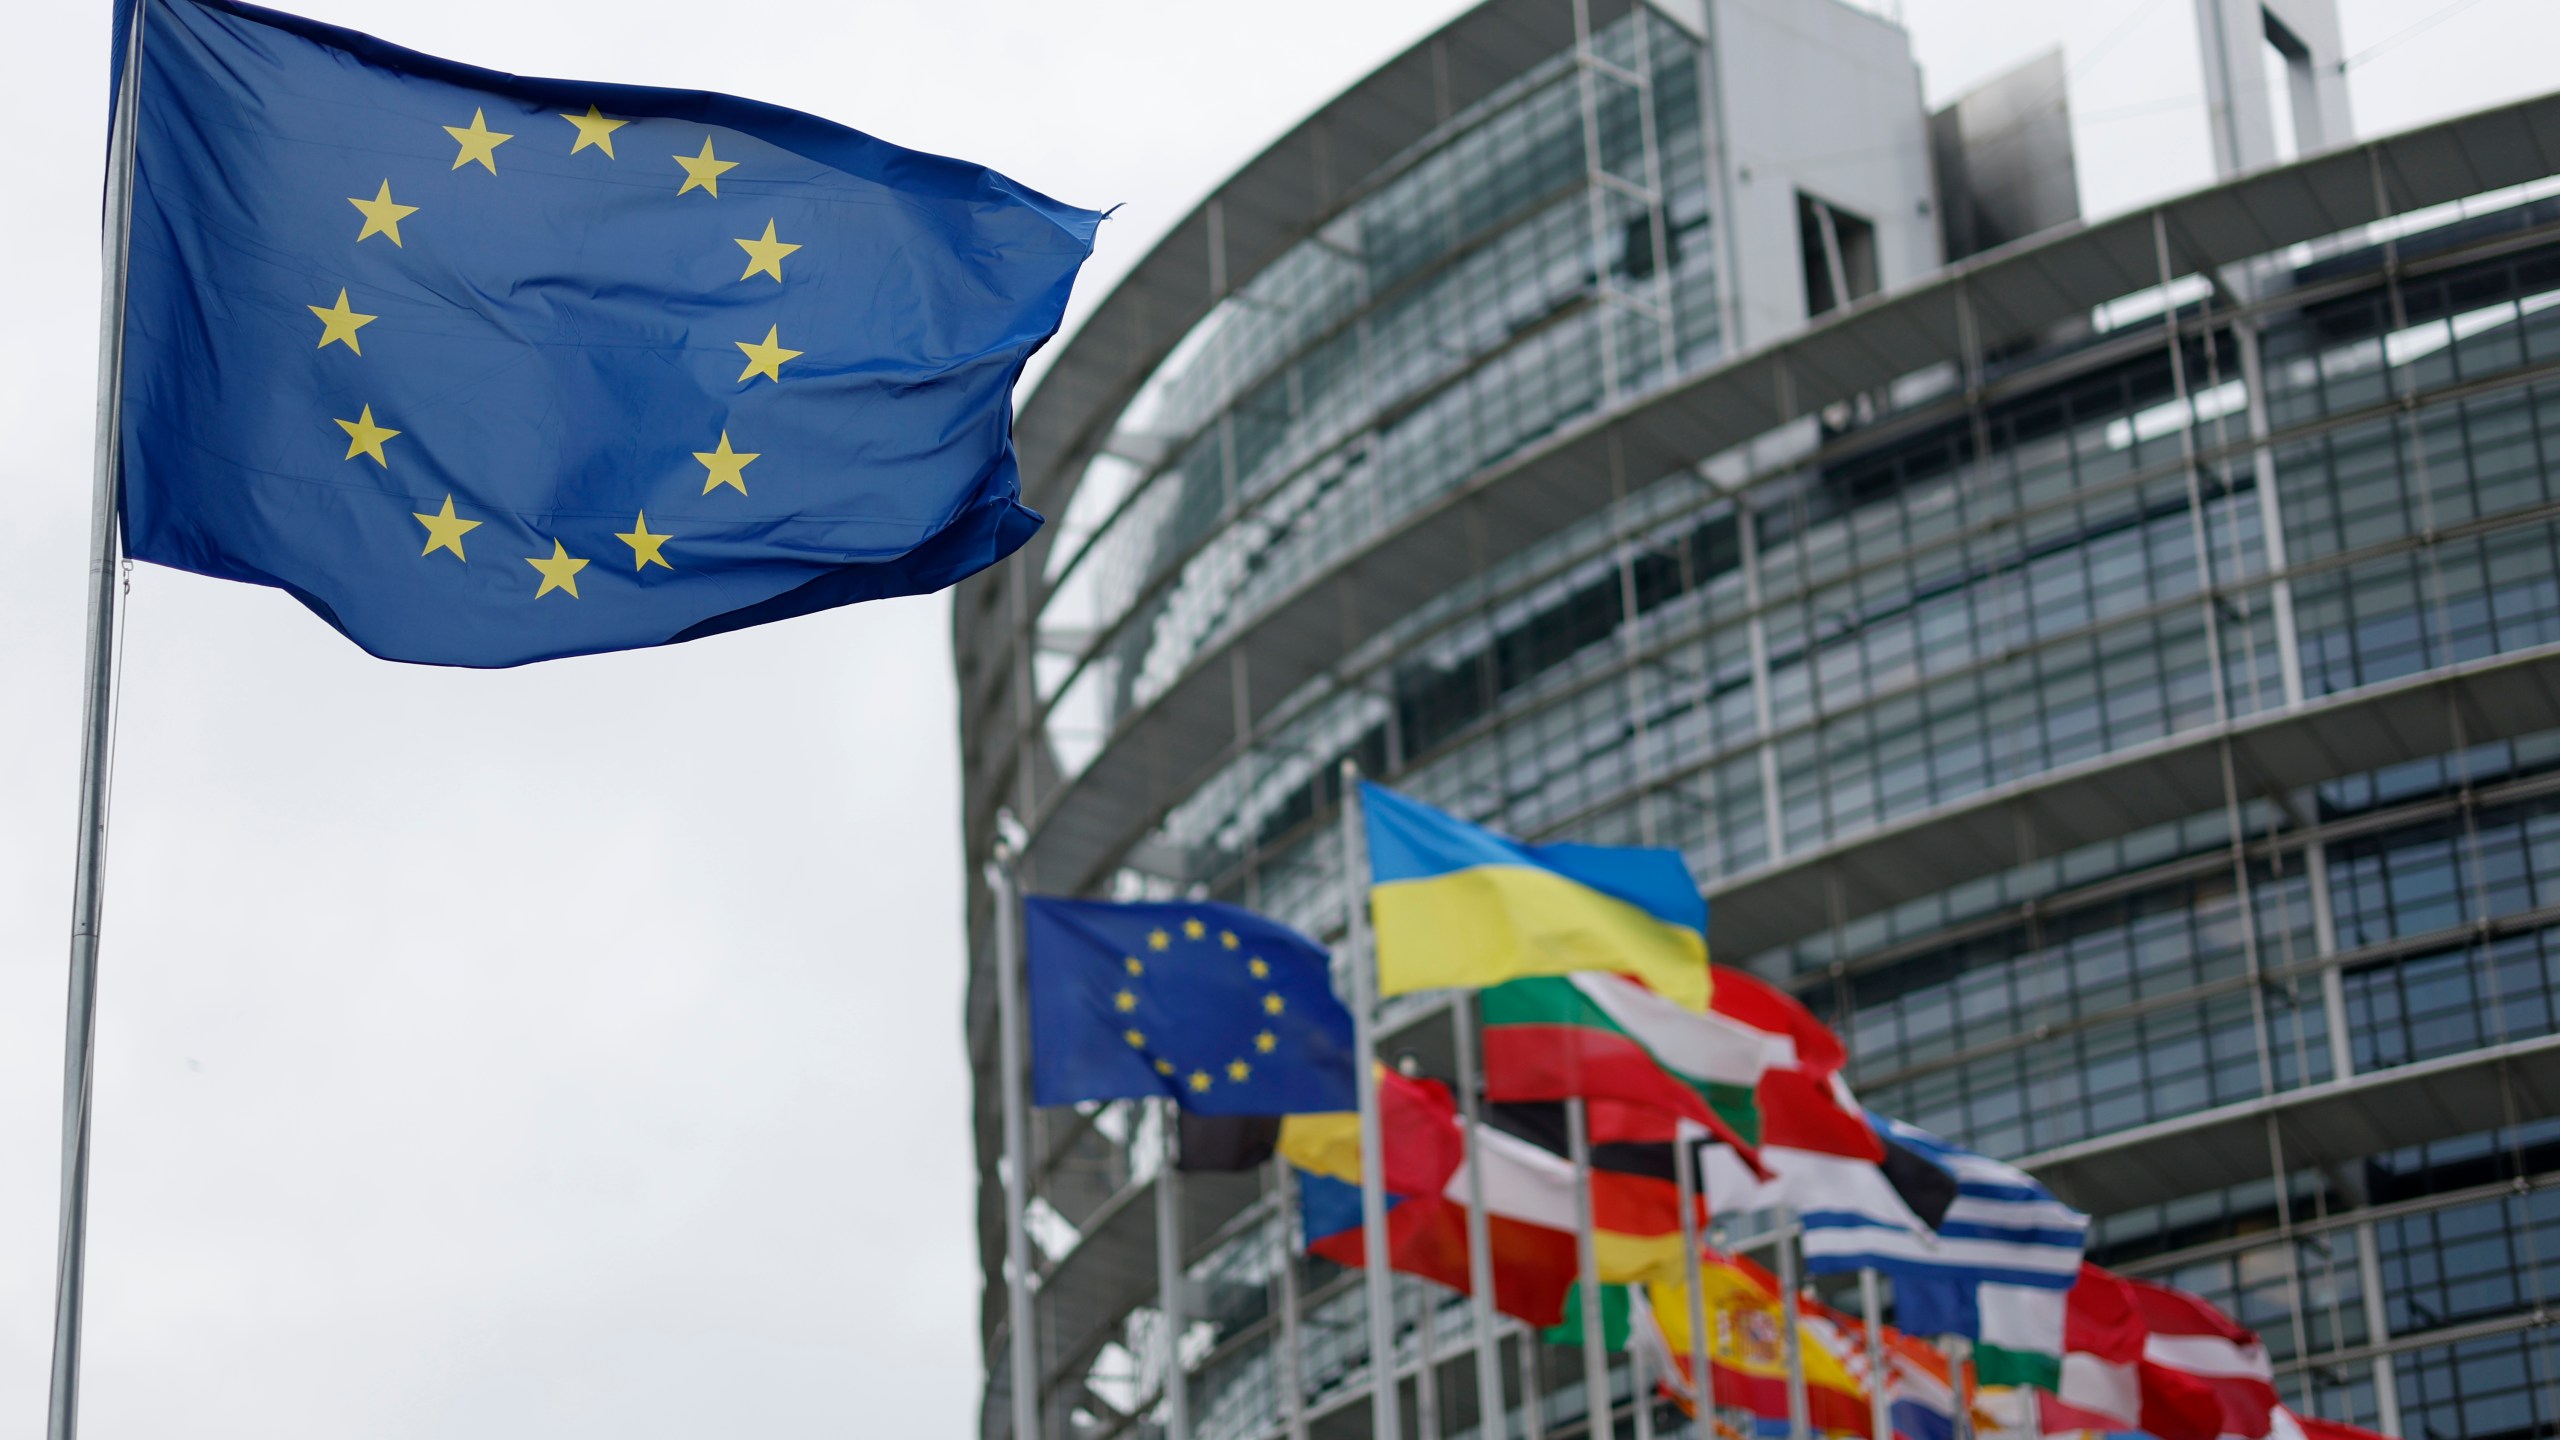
2109	668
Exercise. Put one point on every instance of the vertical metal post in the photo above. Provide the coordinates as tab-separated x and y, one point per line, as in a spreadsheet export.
1533	1400
2377	1325
1595	1348
1879	1373
1426	1381
2333	982
2262	464
1385	1423
1001	886
1595	201
1701	1379
79	1068
1462	1019
1292	1379
1168	1187
1640	1388
1959	1353
1719	162
1791	1320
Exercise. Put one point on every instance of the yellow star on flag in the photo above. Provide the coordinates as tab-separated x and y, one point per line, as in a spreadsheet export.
1134	965
1192	929
1125	1001
594	129
1258	967
445	531
1273	1004
766	359
1228	939
1157	939
478	142
365	438
645	546
559	572
727	466
703	171
1200	1082
1238	1071
763	255
339	324
1136	1038
1164	1067
1266	1042
382	215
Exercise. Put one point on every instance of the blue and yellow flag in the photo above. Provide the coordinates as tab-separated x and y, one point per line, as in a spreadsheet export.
486	369
1224	1011
1457	905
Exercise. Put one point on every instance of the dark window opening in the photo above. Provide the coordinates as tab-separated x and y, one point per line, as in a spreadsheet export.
1839	255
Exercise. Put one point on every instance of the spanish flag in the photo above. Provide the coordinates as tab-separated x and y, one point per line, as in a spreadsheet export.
1455	905
1746	1348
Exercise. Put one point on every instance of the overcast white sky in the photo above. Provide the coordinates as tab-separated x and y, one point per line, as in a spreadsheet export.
574	1051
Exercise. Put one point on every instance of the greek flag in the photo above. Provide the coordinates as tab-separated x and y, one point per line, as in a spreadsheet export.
1996	1270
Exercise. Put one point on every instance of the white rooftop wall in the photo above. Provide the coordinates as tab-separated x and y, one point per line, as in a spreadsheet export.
1825	98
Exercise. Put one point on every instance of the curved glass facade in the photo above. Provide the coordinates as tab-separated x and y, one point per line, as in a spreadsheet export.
2321	481
1541	254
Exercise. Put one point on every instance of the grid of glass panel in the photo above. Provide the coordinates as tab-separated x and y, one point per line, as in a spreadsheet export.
1934	624
1464	316
1867	634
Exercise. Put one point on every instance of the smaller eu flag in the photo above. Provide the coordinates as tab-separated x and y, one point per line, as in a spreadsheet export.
487	369
1222	1010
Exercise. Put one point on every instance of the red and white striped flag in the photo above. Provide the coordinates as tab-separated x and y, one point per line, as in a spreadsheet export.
2189	1336
2109	1379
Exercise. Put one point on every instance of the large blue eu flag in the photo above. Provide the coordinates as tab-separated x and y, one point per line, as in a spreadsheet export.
1224	1011
486	369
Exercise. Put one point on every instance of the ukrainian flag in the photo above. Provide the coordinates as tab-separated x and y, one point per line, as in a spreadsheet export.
1455	905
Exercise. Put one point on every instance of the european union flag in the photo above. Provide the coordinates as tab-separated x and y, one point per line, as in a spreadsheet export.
486	369
1226	1012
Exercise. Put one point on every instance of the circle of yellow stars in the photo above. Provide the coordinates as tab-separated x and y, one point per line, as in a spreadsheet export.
724	465
1125	1001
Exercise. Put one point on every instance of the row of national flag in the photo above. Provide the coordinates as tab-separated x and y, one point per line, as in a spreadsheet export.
2139	1358
1594	988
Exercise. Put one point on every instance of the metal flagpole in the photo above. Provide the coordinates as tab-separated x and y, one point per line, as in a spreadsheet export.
1958	1350
1701	1379
62	1411
1791	1318
1640	1387
1533	1400
1002	884
1462	1019
1426	1383
1177	1395
1385	1423
1879	1375
1293	1381
1595	1350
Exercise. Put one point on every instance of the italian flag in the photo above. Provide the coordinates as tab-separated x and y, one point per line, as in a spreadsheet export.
1604	1037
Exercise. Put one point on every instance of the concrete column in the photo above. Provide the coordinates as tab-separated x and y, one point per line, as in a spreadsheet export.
2240	104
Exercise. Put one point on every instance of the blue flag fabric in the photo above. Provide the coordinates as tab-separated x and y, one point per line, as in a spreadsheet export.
1218	1008
1327	1207
486	369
